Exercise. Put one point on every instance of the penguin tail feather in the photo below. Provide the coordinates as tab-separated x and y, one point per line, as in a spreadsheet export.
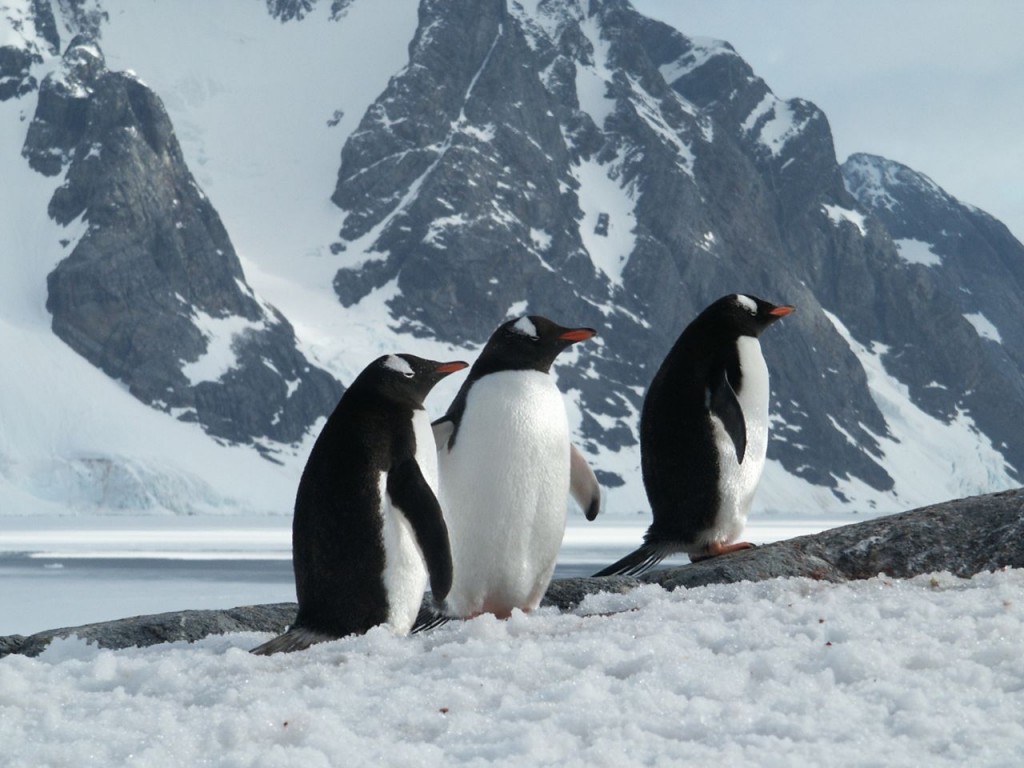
636	562
295	639
427	620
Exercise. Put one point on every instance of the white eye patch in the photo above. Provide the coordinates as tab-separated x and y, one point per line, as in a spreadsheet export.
395	363
525	327
747	303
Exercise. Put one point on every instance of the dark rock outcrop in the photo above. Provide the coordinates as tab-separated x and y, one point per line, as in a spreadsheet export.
141	631
963	537
153	292
473	177
565	157
970	269
15	72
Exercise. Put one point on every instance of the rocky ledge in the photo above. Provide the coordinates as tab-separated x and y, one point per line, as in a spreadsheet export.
963	537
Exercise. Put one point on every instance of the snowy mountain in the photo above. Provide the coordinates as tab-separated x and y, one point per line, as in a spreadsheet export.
215	225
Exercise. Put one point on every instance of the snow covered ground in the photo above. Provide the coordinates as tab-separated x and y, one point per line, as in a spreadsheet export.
780	673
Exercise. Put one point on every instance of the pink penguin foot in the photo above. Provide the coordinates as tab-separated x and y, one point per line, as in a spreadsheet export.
717	548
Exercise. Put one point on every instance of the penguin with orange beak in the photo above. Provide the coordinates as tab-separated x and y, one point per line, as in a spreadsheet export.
704	434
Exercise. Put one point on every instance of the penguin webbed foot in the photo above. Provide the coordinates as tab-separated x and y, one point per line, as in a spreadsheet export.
716	549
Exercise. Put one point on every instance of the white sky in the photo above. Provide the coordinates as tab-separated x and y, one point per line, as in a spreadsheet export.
935	84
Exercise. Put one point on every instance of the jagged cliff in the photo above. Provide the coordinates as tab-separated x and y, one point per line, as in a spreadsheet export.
565	157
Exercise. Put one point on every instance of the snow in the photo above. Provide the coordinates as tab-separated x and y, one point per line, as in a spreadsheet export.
649	110
220	334
837	215
256	134
917	252
257	138
984	327
592	81
782	672
778	673
774	122
932	460
93	447
600	193
873	180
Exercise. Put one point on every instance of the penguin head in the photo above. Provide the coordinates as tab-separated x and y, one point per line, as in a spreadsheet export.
406	377
530	342
746	315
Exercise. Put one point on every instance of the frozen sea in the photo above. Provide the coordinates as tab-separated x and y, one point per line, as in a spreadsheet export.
68	571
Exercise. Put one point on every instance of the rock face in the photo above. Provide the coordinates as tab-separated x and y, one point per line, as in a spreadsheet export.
963	537
153	292
968	271
565	157
585	162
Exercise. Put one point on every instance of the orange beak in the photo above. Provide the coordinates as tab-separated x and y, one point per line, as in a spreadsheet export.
578	334
782	311
452	367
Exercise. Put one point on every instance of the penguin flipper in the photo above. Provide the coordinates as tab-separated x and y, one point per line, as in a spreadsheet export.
295	639
636	562
410	493
443	431
724	404
583	483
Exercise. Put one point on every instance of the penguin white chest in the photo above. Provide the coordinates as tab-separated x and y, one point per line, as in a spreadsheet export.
405	574
504	492
737	481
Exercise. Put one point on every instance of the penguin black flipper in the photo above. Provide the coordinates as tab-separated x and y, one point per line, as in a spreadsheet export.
583	484
446	428
636	562
410	493
724	404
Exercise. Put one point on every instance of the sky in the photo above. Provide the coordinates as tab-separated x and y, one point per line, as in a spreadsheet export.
937	85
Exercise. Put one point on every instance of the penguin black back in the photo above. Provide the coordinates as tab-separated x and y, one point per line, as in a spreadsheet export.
367	448
701	376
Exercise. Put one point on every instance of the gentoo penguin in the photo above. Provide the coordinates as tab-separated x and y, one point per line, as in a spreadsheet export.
704	434
366	513
506	470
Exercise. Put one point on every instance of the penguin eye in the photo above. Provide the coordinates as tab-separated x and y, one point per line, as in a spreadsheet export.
408	374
